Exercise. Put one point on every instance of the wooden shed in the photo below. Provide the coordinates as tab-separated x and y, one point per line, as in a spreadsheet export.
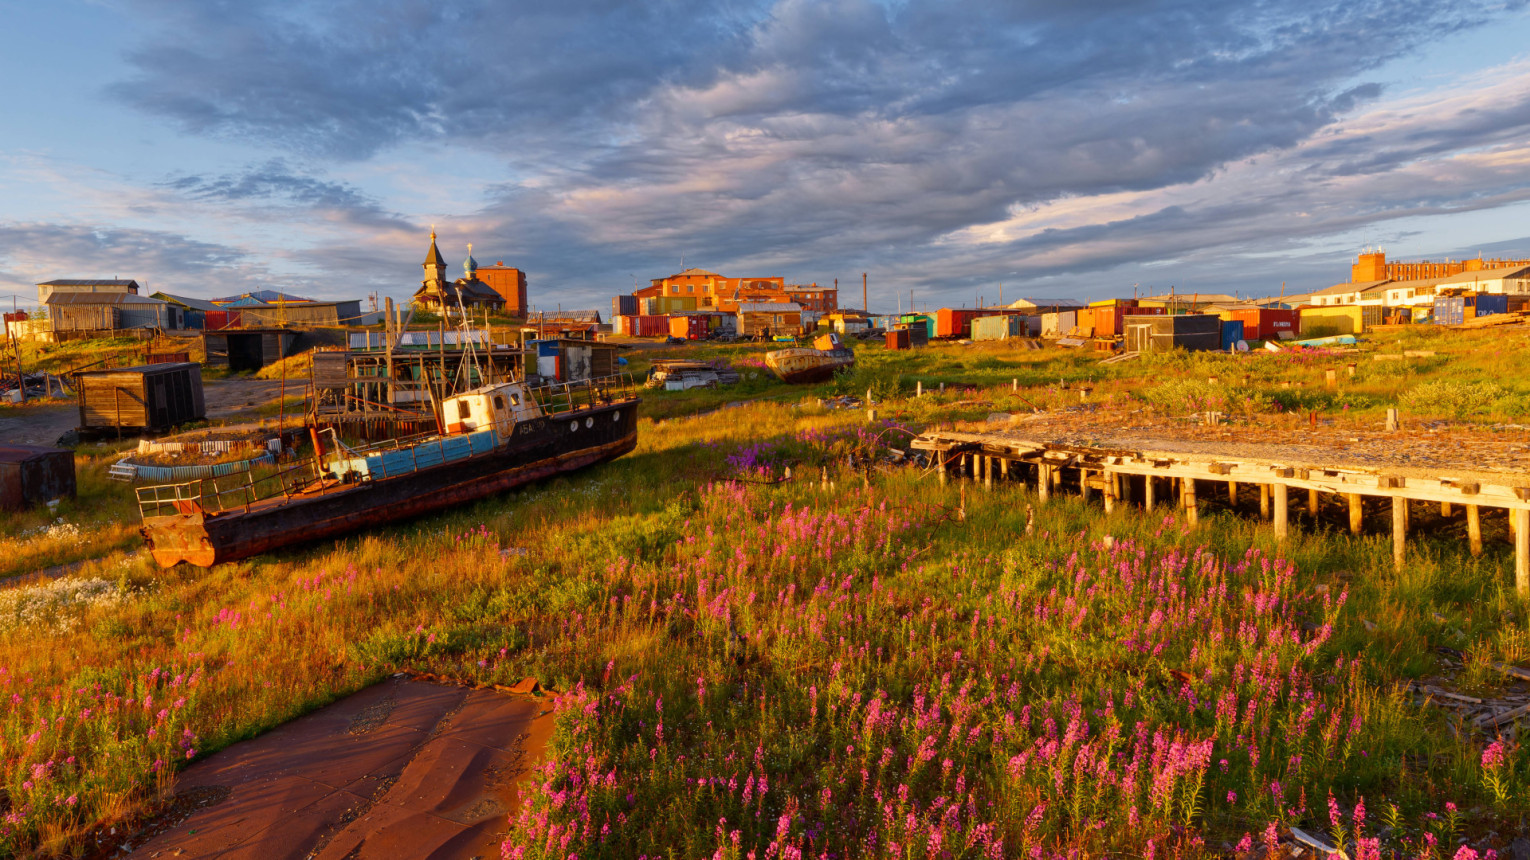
247	349
33	474
149	397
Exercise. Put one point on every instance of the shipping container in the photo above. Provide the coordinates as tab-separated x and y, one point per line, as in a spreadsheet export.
998	328
1164	332
624	306
247	349
34	475
957	322
1058	324
1108	321
1450	310
688	326
150	397
1490	304
897	338
919	325
651	325
1265	323
1114	303
1338	319
1232	334
218	320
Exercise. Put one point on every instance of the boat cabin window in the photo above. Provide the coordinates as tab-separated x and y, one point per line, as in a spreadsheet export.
515	399
499	403
464	411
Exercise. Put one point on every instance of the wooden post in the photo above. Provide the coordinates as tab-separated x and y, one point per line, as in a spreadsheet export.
942	470
1110	492
919	388
988	473
1391	420
1147	492
1522	552
1044	482
1004	468
1399	531
1282	526
1332	377
1356	512
1474	528
1083	484
1264	501
1187	495
1444	509
1232	493
1014	384
1351	369
1312	503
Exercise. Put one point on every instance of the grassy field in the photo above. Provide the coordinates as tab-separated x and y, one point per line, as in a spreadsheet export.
875	665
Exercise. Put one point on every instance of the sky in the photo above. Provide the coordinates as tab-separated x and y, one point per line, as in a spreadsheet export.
950	149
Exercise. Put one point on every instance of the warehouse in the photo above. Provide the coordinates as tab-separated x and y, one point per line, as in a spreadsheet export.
302	314
82	312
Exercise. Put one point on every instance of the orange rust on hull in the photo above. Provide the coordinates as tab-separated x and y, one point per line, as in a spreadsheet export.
208	539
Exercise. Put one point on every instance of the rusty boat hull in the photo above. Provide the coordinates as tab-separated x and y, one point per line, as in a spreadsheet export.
808	365
540	448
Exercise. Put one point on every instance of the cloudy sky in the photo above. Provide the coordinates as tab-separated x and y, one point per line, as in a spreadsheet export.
1054	147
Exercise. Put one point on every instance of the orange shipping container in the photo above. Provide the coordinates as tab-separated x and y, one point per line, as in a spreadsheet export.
957	322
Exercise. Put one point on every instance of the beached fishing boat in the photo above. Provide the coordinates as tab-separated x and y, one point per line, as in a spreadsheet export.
818	364
495	438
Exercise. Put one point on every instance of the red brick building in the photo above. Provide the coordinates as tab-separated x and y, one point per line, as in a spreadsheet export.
509	282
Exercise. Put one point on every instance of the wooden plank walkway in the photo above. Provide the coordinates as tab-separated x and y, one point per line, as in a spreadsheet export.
1112	473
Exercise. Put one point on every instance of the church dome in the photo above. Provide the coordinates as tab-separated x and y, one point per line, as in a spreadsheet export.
470	265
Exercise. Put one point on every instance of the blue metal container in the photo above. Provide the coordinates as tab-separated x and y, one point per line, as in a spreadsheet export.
1487	305
1232	332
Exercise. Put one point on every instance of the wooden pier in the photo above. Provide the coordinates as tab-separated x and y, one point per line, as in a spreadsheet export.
1121	475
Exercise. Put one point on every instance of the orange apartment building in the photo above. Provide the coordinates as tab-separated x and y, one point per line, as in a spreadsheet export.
714	292
1373	266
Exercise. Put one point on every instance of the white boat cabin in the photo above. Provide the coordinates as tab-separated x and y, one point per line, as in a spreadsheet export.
496	407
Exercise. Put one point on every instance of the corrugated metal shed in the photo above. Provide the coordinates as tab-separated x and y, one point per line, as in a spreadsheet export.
33	474
106	311
302	313
148	397
1165	332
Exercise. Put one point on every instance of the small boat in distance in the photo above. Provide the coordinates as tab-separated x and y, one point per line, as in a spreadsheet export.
817	364
496	437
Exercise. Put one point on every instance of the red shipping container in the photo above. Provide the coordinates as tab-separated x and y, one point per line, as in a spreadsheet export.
653	325
897	339
1266	323
217	320
957	322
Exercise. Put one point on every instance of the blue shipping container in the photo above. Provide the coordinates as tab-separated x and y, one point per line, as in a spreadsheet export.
1232	332
1489	305
1449	310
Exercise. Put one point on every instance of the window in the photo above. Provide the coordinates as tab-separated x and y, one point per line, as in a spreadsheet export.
515	399
464	411
499	403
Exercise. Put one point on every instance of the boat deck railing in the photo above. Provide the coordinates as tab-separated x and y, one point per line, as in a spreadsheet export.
238	491
558	398
241	490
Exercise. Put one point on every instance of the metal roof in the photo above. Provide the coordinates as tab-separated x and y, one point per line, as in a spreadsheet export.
18	453
99	299
768	307
1342	289
114	282
261	296
193	304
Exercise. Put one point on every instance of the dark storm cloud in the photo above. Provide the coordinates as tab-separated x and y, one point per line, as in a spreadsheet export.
808	137
277	183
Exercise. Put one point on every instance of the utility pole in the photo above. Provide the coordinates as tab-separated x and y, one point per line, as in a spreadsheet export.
21	384
865	306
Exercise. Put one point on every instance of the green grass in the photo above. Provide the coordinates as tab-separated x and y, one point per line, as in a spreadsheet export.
838	667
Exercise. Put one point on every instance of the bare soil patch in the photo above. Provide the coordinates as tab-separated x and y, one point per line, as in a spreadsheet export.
403	769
